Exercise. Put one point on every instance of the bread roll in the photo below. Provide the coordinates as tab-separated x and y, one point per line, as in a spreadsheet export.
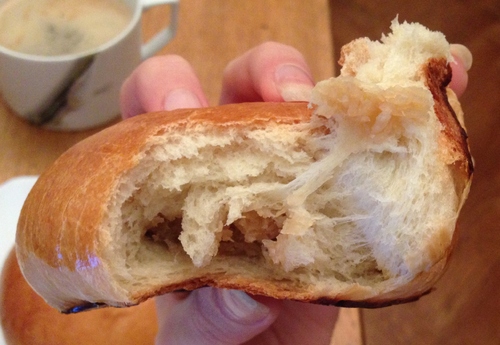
350	200
27	320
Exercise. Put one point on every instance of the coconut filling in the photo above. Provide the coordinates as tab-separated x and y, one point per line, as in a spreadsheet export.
243	237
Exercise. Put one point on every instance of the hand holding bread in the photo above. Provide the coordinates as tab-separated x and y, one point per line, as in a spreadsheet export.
349	200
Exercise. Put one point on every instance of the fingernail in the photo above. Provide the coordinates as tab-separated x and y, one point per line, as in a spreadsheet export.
293	83
241	306
181	98
463	53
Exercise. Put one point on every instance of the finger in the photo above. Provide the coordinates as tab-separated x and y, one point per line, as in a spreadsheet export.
461	64
297	322
161	83
270	72
213	316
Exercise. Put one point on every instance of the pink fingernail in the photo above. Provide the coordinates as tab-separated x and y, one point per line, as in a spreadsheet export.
181	98
293	82
462	53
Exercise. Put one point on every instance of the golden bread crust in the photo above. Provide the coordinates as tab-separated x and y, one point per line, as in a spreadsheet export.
27	319
438	76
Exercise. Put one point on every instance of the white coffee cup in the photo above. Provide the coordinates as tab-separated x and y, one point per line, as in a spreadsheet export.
80	90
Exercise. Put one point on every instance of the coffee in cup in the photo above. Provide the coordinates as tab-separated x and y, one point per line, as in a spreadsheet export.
60	27
62	62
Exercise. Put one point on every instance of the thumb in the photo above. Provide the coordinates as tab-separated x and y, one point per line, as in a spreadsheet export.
213	316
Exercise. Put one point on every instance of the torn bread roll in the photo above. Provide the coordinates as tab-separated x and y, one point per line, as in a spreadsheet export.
349	200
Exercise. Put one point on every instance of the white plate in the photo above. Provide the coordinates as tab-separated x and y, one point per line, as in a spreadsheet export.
12	196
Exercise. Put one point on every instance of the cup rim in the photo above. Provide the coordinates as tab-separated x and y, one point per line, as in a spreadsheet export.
137	12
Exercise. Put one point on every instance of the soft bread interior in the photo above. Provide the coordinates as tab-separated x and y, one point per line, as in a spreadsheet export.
359	195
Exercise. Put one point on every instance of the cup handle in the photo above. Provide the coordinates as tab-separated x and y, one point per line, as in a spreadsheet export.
158	41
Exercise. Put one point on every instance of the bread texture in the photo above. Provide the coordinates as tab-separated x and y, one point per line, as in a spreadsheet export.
27	320
351	199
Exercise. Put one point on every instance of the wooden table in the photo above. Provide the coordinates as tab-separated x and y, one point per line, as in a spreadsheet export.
211	33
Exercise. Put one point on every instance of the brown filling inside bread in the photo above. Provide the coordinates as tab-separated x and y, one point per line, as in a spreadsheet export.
243	237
